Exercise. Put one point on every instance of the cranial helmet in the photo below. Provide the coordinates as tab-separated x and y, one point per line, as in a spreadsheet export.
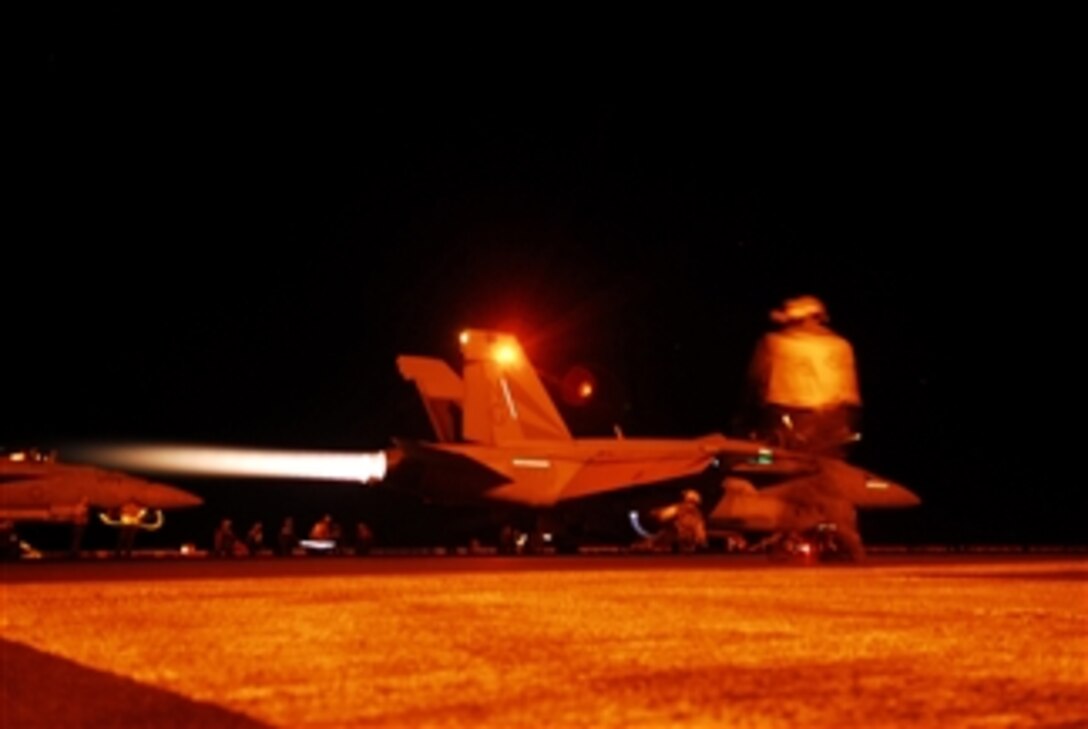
799	309
691	496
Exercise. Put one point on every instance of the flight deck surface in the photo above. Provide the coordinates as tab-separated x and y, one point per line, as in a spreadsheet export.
621	640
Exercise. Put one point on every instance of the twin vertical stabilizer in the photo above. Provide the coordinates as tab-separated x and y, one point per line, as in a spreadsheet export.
499	400
505	401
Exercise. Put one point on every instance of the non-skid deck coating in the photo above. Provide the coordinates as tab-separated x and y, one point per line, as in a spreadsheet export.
657	641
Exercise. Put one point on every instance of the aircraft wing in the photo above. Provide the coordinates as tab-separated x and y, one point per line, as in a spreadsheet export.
51	491
621	464
595	478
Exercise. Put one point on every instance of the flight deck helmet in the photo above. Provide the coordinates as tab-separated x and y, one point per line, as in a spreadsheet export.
799	309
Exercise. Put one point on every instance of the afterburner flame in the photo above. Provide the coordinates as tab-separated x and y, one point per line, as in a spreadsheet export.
364	467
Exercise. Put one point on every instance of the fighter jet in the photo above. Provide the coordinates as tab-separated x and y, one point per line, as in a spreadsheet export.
36	487
501	442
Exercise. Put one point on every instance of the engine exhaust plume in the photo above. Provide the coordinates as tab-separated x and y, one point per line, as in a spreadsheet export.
361	467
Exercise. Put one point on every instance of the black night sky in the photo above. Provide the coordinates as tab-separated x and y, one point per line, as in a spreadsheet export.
228	237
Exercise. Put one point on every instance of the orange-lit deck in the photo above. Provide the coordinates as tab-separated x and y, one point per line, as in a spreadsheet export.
586	641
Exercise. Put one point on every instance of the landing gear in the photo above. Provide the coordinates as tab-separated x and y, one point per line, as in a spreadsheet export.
513	540
546	536
510	540
844	545
825	543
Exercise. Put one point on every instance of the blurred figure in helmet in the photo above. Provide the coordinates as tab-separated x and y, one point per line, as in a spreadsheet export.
690	524
683	524
802	383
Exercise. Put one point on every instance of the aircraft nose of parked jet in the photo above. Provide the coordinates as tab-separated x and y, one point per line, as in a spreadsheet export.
161	496
866	489
881	492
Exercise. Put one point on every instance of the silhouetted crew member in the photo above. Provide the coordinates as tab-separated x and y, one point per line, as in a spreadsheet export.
684	526
508	539
803	388
322	528
286	537
255	538
9	540
223	545
321	535
79	528
364	538
336	536
689	523
130	517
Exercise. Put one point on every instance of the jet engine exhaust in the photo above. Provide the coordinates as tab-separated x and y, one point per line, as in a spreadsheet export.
363	467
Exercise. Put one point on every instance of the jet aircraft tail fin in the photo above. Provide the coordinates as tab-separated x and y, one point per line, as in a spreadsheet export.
441	390
500	399
504	398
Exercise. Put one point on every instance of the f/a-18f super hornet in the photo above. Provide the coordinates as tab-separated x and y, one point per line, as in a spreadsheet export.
37	487
502	442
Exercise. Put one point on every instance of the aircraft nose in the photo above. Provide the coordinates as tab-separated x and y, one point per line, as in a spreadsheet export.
866	489
162	496
882	492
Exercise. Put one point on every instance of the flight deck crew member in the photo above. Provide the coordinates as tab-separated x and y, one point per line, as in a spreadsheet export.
802	382
689	523
322	528
321	537
255	538
364	538
224	541
9	540
79	528
286	537
127	519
